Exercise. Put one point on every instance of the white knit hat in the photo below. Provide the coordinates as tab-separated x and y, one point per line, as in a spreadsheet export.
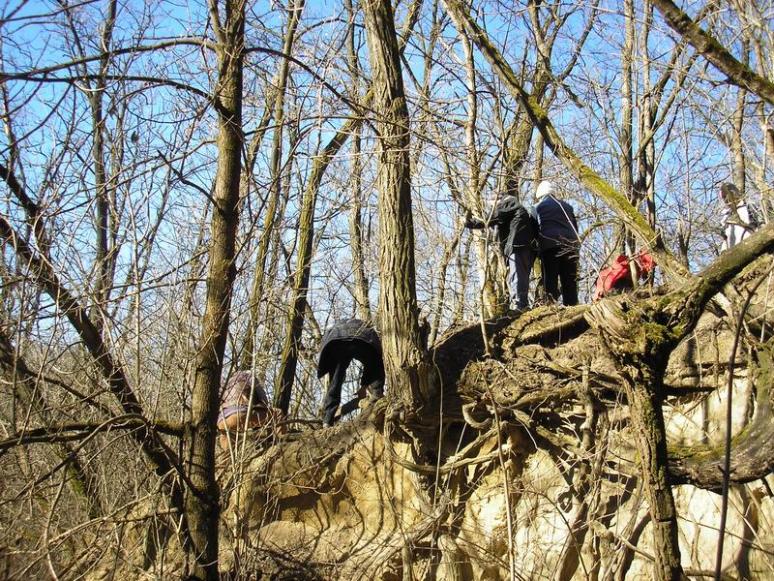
545	188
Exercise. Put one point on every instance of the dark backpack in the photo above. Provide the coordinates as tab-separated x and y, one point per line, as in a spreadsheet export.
754	212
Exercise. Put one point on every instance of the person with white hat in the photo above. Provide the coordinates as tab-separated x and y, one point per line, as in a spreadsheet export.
559	244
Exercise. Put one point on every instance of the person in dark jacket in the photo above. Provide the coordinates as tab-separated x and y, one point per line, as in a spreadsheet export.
344	341
559	244
517	235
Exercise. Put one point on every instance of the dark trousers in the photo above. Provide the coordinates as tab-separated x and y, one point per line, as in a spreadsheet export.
372	378
560	265
519	269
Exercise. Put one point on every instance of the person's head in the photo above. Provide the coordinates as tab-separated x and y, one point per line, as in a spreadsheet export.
544	189
241	387
730	194
241	393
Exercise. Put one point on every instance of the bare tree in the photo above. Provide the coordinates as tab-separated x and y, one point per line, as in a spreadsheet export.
738	73
102	358
356	212
275	164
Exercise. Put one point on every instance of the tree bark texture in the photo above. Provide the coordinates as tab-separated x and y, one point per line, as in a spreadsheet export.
202	500
102	189
275	189
626	165
645	401
407	375
356	211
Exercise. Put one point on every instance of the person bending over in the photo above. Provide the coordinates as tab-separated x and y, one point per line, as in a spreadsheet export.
344	341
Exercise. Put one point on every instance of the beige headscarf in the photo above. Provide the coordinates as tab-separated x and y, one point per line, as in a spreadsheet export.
545	188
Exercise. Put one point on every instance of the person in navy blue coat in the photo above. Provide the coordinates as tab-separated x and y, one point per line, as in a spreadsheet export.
517	235
344	341
559	244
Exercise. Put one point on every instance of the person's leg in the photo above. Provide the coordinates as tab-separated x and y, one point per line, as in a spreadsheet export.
372	378
550	273
520	265
513	279
373	383
568	275
333	396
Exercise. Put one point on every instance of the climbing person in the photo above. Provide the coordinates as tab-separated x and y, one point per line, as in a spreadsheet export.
244	405
517	236
739	220
622	272
559	244
347	340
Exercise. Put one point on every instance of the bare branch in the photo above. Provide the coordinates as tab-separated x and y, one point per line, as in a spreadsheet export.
738	73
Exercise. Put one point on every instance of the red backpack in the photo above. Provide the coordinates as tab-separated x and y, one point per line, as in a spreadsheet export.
618	276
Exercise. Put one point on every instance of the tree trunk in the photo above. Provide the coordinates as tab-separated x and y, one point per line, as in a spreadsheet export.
363	305
627	106
737	143
646	150
202	500
439	303
102	258
648	422
408	375
494	293
275	190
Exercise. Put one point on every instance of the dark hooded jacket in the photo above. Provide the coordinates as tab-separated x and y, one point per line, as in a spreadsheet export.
516	228
558	226
347	331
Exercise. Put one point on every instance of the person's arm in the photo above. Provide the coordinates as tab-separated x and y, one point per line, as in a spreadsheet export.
573	220
501	215
472	223
534	223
